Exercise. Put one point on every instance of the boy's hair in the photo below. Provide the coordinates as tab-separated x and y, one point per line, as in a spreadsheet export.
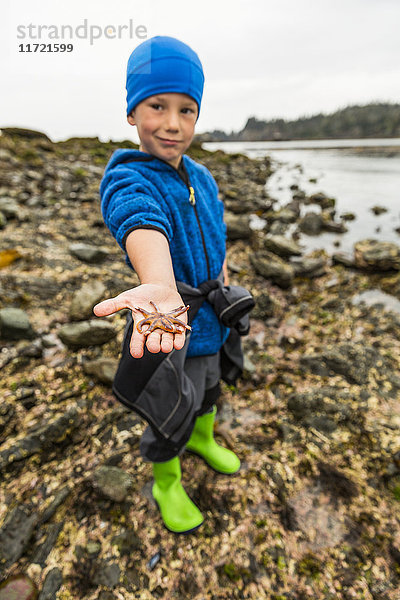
163	64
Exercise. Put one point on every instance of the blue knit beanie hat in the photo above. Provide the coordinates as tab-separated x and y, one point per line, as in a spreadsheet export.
163	64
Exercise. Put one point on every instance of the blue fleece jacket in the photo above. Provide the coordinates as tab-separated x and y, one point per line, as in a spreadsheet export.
139	190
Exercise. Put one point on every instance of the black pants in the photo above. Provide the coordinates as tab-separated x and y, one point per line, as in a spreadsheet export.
168	391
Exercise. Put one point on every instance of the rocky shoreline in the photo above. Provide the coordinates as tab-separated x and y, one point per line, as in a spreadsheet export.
314	511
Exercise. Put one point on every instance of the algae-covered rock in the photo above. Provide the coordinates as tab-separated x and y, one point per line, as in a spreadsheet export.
112	482
377	256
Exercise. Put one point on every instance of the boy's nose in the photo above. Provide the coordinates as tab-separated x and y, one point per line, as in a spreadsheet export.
172	121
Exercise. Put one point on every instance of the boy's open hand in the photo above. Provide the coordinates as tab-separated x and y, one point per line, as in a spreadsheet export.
166	299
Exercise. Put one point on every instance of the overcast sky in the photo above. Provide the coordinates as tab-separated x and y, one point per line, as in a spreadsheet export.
263	58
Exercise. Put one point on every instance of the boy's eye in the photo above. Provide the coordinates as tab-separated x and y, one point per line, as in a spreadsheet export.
187	110
156	106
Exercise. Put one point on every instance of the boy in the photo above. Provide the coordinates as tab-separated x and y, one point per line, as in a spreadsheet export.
163	209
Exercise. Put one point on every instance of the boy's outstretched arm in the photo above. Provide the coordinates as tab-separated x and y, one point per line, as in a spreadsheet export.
148	251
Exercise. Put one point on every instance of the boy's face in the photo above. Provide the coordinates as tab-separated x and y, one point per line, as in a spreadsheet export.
165	124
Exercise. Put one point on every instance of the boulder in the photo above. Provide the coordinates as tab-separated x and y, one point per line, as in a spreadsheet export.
84	299
86	333
312	223
271	267
309	267
103	369
15	325
238	226
377	256
278	244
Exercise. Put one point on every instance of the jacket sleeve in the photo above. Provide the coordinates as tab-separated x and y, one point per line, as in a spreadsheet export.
128	203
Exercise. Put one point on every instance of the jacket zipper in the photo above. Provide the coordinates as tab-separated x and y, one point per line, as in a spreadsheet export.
192	200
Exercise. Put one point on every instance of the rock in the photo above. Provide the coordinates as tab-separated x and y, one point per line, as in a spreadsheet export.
343	258
60	497
348	216
84	299
7	413
311	224
106	574
278	228
265	305
238	226
3	220
51	585
309	267
127	542
10	208
293	206
52	432
88	253
40	287
14	324
351	360
271	267
322	200
87	333
328	224
15	534
26	396
281	245
377	256
314	512
322	408
103	369
112	482
284	214
299	195
248	366
377	210
44	549
18	587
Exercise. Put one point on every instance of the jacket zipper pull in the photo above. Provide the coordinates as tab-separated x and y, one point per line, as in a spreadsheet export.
192	199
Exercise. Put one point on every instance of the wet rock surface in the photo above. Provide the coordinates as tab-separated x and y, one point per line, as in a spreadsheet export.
313	512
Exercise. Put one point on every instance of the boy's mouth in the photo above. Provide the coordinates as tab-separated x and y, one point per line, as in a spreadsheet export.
168	142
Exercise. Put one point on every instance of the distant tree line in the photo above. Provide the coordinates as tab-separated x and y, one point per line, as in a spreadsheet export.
378	120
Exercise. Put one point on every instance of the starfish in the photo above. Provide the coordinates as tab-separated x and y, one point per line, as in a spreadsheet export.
165	321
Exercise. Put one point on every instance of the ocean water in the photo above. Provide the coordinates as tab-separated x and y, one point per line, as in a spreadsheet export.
346	170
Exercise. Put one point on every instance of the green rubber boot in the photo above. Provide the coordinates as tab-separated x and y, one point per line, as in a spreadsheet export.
202	442
179	513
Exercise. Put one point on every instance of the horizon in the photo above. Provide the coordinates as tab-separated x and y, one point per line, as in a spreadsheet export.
199	133
267	60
